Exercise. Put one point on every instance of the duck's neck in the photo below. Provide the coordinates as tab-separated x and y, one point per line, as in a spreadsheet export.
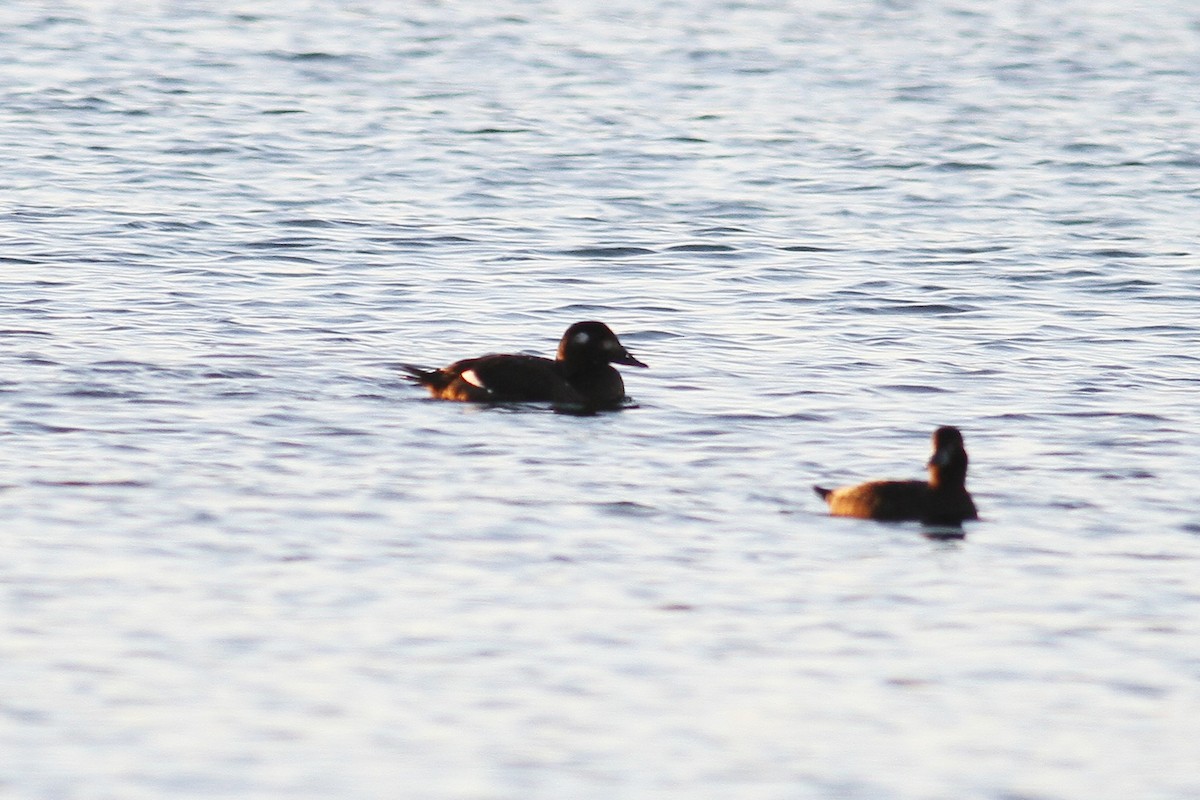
576	366
949	476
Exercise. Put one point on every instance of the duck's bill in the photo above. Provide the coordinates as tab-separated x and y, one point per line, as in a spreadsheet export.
625	358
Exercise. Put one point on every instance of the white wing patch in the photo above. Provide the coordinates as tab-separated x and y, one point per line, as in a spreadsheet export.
470	377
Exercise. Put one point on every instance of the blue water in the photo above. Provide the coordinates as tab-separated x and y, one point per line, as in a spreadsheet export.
244	558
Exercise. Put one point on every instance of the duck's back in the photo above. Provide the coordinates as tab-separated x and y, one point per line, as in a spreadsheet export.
881	500
500	379
896	501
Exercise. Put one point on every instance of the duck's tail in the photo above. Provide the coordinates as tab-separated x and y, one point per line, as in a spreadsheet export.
822	492
430	378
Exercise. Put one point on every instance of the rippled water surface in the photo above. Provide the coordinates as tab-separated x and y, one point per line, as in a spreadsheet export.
244	558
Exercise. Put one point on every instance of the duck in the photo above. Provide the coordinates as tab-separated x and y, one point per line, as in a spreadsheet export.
942	500
581	374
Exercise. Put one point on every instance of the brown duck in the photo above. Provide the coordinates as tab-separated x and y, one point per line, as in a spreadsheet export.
942	500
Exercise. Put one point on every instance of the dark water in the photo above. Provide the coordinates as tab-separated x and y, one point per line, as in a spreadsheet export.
242	558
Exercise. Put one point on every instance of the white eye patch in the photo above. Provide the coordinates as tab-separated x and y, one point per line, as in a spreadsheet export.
583	337
470	377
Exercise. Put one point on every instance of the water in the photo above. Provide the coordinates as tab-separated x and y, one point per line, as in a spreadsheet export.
243	558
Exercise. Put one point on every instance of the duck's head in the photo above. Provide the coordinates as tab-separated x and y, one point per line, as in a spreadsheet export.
948	464
594	343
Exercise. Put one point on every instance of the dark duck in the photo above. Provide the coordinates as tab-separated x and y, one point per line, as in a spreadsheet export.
581	374
942	500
